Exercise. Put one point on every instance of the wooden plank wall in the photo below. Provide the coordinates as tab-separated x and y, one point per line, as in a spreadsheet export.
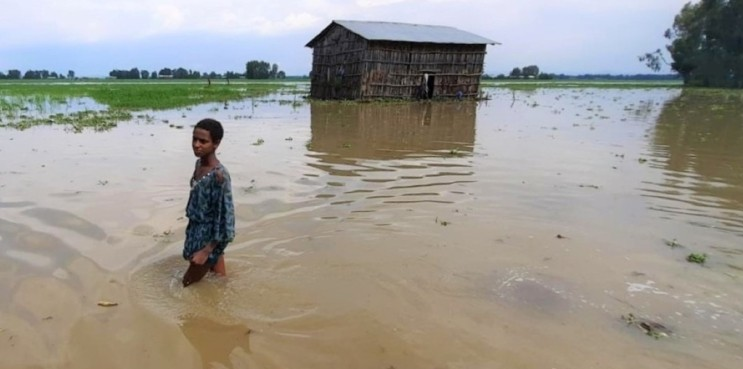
396	69
347	66
337	65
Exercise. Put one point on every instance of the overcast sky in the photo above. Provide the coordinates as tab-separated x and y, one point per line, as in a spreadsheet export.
92	37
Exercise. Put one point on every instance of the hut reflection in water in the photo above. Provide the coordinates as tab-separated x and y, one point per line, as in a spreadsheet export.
387	131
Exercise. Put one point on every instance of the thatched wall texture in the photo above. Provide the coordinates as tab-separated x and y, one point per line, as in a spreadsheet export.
380	60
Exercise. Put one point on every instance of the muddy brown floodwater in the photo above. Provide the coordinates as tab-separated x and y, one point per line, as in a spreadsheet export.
510	233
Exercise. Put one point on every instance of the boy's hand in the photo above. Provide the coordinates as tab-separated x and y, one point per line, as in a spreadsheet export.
200	257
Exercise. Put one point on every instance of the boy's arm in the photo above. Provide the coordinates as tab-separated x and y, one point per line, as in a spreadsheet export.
200	257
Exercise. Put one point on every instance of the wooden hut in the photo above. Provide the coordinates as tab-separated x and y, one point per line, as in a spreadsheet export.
380	60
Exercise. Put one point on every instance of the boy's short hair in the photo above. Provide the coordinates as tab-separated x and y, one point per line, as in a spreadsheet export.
213	126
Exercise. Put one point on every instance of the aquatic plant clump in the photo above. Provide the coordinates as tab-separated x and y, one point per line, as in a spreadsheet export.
697	258
78	121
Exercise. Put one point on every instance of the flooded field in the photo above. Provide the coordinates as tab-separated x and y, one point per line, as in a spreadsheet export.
550	228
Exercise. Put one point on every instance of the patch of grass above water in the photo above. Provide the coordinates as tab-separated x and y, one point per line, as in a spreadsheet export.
143	95
77	121
119	97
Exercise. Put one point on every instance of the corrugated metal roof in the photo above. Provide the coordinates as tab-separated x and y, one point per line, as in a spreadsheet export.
405	32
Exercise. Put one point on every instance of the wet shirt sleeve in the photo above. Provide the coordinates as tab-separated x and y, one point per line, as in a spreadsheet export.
223	226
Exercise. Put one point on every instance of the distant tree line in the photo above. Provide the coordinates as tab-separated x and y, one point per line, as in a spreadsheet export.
36	74
533	72
620	77
706	44
175	73
527	72
617	77
259	69
254	69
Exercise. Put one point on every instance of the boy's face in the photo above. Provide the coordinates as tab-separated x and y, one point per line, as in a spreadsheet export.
202	143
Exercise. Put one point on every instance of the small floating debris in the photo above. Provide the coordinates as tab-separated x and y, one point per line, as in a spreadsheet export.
107	303
559	236
697	258
442	222
649	327
672	243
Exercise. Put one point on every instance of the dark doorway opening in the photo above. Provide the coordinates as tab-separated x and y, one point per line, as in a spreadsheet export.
430	84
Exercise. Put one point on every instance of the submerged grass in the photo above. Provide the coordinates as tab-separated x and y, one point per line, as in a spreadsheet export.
78	121
118	99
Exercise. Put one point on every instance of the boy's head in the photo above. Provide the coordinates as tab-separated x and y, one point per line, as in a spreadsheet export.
214	127
206	137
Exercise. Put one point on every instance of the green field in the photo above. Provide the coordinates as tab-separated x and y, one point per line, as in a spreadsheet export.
22	103
101	104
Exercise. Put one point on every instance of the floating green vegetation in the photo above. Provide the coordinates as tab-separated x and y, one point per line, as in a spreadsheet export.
159	96
649	327
697	258
77	121
672	243
117	99
142	95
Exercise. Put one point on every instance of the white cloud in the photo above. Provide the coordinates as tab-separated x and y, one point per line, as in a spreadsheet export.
39	21
374	3
378	3
51	21
538	29
169	18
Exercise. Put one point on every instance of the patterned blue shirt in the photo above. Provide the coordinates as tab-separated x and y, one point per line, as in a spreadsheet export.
211	213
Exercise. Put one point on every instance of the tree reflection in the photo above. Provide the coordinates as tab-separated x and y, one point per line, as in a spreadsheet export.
699	137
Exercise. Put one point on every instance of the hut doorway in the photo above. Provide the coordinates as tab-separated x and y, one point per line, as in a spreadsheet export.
431	84
428	82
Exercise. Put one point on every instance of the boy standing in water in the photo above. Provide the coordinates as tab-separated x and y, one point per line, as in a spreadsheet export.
210	210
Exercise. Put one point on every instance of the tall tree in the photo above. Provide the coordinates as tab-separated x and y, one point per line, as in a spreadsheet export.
180	73
14	74
530	71
274	71
166	72
706	44
32	74
257	69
